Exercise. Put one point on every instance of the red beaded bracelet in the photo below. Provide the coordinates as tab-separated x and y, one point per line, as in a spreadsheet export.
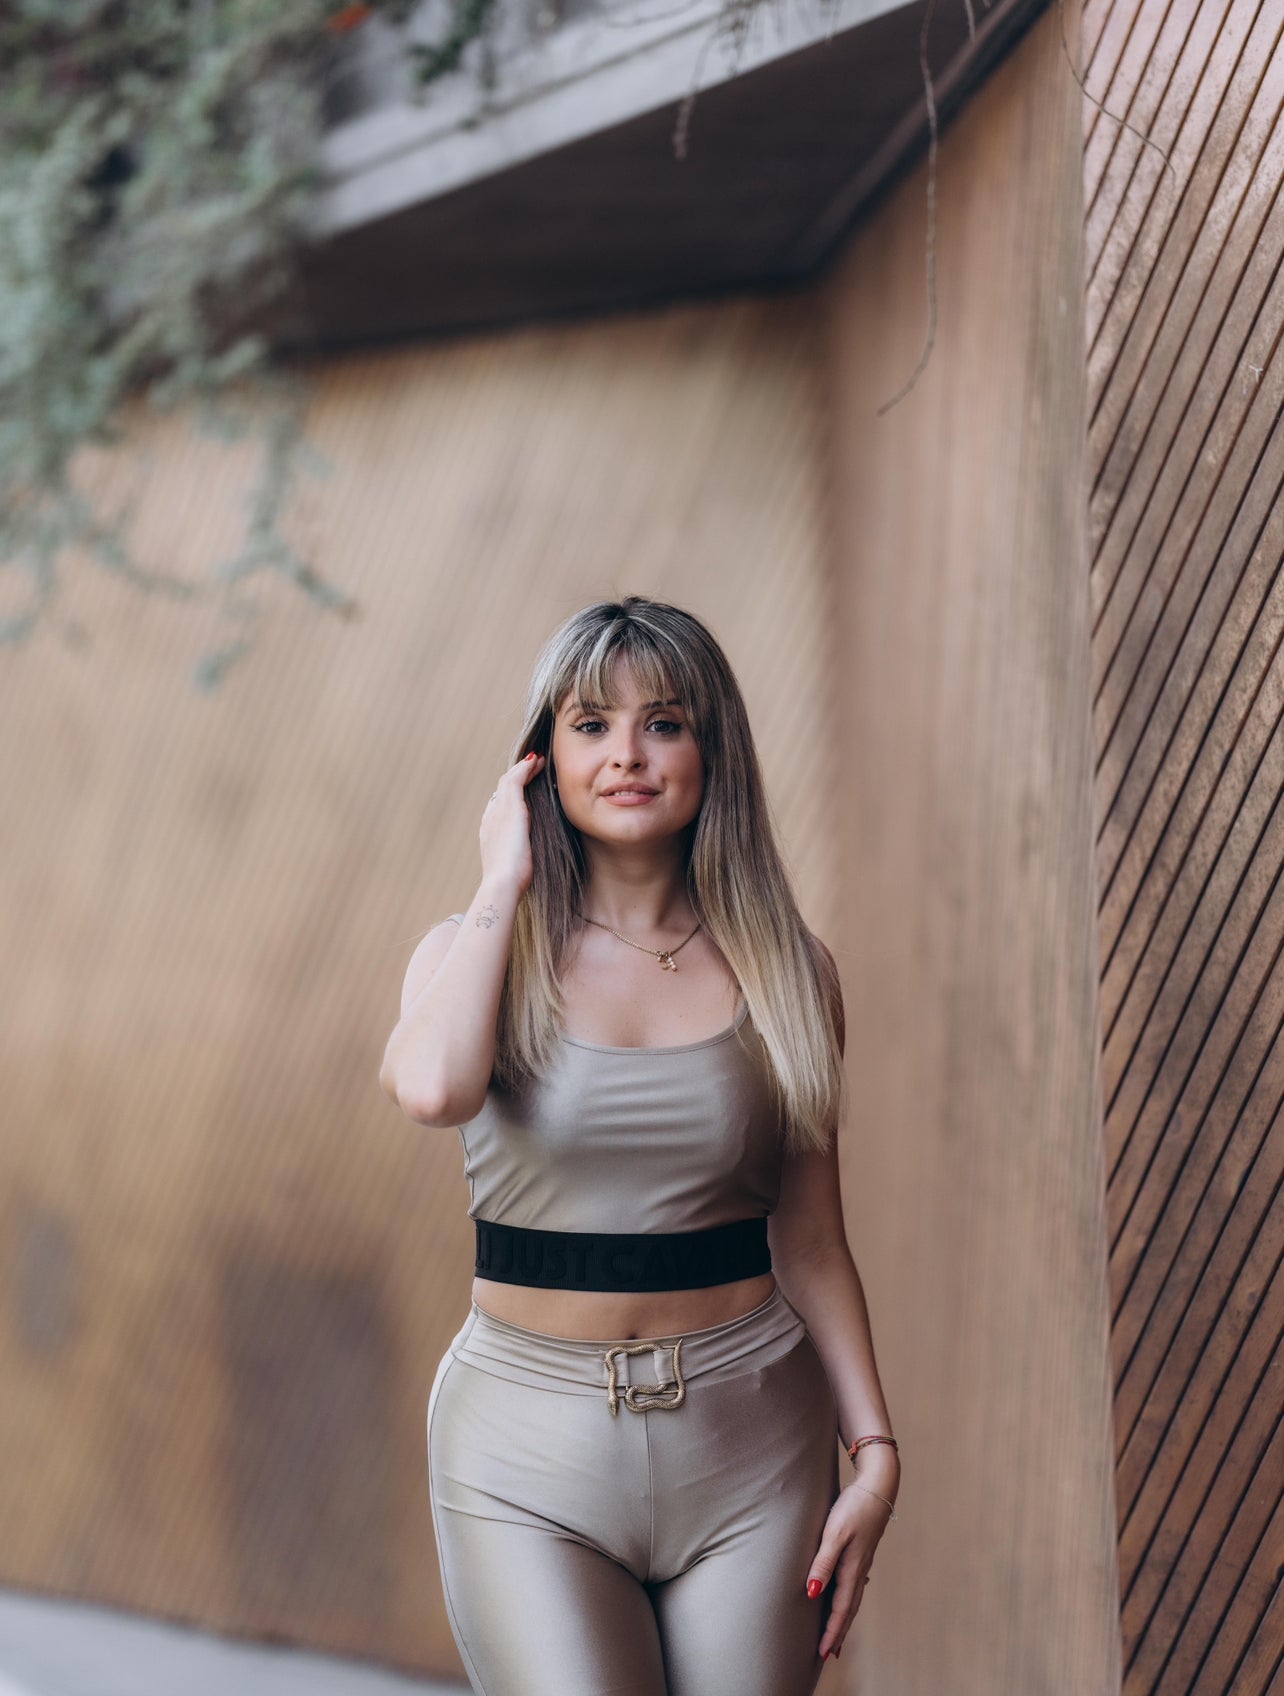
860	1442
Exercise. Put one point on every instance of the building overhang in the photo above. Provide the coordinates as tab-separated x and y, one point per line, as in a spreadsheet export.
559	190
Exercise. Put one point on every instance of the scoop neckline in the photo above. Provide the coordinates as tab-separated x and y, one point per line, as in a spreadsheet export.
668	1048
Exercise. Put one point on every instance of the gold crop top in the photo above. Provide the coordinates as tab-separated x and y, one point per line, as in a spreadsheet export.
631	1139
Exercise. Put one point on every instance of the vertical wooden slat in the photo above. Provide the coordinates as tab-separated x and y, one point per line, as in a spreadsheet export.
1185	313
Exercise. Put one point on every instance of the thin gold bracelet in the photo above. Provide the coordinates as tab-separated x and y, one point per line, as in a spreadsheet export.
874	1493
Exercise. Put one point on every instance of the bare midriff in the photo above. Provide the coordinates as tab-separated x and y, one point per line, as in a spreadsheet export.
611	1316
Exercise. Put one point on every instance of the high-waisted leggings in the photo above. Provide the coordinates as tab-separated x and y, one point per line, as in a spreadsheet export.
660	1550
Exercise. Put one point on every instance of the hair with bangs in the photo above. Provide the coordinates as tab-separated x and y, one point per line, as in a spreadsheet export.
736	879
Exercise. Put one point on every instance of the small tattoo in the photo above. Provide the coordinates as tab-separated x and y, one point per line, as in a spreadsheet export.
488	916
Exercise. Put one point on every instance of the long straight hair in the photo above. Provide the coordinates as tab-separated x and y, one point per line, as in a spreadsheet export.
735	876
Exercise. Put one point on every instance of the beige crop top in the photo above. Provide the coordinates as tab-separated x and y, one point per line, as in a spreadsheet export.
630	1139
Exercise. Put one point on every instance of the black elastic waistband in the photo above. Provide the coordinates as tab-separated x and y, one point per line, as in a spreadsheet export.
646	1260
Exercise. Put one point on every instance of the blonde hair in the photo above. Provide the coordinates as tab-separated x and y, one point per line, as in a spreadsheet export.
736	879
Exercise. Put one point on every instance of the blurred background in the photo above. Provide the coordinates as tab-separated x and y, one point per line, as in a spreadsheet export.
929	354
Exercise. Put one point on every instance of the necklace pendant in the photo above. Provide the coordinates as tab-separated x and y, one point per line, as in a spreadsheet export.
667	962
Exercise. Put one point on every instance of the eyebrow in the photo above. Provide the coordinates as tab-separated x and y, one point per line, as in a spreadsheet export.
592	706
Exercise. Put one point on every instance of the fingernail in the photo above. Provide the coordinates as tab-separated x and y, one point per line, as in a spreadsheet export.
825	1656
814	1588
838	1651
530	756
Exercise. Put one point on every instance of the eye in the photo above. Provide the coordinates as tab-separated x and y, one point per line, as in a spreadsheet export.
667	726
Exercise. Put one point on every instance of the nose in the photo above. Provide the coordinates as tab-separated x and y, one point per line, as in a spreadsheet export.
624	751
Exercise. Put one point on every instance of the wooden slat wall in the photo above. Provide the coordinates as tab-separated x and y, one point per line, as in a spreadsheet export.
975	1188
230	1264
1185	304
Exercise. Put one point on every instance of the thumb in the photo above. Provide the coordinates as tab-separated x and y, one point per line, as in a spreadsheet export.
822	1568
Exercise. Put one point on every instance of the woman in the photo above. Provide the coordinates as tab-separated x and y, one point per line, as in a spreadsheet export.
631	1450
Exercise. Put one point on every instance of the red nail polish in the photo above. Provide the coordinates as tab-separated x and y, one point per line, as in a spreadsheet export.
838	1651
530	756
814	1588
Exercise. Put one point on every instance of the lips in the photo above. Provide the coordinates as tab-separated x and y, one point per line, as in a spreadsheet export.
631	789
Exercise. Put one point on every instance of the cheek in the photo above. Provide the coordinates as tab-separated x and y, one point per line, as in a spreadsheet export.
564	750
575	767
691	768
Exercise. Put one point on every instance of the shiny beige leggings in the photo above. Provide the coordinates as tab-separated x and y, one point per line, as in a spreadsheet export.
660	1550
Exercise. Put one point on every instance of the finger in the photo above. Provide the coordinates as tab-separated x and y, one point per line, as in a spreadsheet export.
519	774
839	1623
843	1635
524	769
841	1612
836	1627
856	1607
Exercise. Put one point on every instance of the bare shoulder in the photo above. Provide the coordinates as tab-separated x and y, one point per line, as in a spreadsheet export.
827	972
431	949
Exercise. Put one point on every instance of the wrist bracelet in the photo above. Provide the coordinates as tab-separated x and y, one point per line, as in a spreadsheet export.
860	1486
859	1443
876	1437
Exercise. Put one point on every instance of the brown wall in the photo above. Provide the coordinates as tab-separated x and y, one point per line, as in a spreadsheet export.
231	1265
1186	458
974	1172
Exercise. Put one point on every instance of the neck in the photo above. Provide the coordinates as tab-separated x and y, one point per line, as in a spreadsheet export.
642	889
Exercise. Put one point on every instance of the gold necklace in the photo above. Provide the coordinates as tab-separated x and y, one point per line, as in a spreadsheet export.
663	955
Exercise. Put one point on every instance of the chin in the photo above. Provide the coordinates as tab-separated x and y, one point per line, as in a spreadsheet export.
627	829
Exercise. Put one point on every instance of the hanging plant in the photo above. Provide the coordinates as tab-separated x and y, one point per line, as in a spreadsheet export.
157	168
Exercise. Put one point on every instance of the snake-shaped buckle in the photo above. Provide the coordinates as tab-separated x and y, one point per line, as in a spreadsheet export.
639	1397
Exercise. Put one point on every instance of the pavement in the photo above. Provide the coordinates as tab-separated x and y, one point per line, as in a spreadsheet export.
51	1647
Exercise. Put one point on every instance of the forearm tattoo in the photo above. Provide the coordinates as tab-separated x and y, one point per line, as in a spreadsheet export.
488	916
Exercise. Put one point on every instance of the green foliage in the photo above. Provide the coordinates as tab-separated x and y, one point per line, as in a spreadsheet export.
157	165
468	19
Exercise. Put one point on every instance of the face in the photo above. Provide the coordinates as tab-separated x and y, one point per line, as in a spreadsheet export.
628	773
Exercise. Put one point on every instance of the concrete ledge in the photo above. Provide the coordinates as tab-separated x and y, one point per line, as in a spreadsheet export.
589	74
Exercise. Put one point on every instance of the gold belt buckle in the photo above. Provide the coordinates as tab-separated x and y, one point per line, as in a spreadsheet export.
639	1397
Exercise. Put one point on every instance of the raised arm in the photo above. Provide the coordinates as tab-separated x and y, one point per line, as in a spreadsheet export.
439	1058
